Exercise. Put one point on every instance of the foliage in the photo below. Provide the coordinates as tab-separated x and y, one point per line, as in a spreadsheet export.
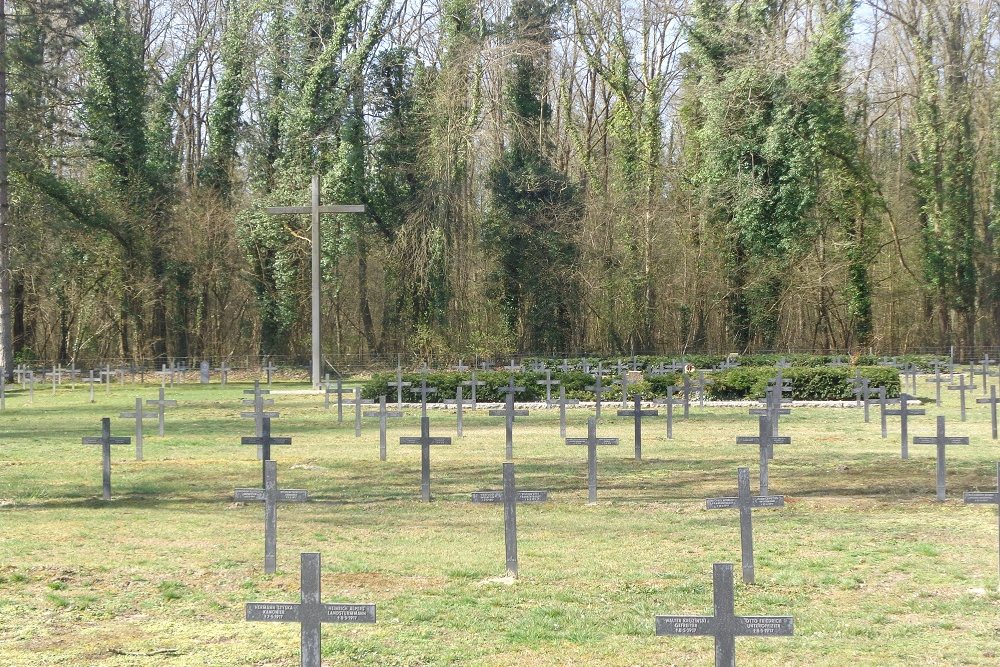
808	384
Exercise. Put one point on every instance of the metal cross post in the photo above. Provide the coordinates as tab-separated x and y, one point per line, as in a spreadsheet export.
992	402
509	413
563	402
383	415
270	495
941	441
472	382
637	413
459	404
549	383
161	404
399	384
138	415
766	442
745	502
592	442
961	388
425	441
904	412
510	497
105	441
986	497
265	441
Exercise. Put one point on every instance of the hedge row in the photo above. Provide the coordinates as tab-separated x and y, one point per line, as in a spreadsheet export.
817	384
924	362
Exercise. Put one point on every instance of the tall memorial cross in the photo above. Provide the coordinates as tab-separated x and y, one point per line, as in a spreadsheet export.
358	404
598	390
424	392
383	424
510	497
105	440
399	384
459	404
883	404
265	441
161	405
339	392
904	412
270	495
549	383
563	402
938	380
592	442
310	613
961	388
669	402
425	441
509	413
138	415
473	383
986	497
91	380
637	413
766	442
725	626
314	210
941	441
992	402
745	502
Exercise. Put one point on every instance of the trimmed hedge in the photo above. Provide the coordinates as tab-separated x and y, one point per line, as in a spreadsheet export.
808	384
924	362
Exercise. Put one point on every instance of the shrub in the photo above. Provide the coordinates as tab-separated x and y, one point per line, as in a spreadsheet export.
808	384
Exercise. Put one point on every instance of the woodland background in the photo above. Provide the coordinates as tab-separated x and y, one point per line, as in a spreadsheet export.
547	177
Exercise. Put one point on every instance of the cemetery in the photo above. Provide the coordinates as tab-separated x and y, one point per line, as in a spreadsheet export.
857	553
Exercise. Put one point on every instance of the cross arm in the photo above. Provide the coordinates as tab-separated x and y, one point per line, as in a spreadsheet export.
348	613
97	440
273	612
417	440
982	497
758	626
249	495
686	625
254	440
721	503
306	210
253	415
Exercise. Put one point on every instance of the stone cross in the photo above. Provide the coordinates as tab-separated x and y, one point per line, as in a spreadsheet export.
57	373
686	392
509	413
91	380
883	404
909	372
669	402
358	402
563	402
725	625
270	495
766	442
473	383
310	613
903	413
510	497
383	424
772	409
161	404
537	365
339	393
399	384
592	442
961	388
585	365
745	502
138	415
992	402
782	363
107	375
459	403
163	373
986	497
938	380
941	441
549	383
105	441
513	368
637	413
424	392
986	371
314	210
859	388
460	367
270	368
258	415
565	366
223	370
598	390
265	440
425	441
623	381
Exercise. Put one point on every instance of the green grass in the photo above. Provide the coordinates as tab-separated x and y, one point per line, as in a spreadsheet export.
874	571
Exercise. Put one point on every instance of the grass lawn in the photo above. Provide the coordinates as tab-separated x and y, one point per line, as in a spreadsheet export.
874	571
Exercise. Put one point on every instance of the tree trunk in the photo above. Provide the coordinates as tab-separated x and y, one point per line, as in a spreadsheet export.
6	347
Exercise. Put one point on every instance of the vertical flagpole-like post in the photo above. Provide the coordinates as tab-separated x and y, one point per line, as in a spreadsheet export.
315	283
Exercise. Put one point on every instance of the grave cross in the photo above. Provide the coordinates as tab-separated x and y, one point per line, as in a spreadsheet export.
223	370
725	625
513	368
383	424
909	372
425	441
105	441
565	366
270	495
986	497
598	390
867	391
941	441
310	613
138	415
938	380
782	363
903	413
265	440
399	384
258	415
510	497
460	367
986	371
549	383
509	413
563	402
992	402
701	386
339	392
669	402
459	403
836	362
772	410
314	210
358	402
161	404
623	381
766	441
270	368
883	403
637	413
592	442
686	391
745	502
424	391
91	380
961	388
472	382
859	387
57	373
